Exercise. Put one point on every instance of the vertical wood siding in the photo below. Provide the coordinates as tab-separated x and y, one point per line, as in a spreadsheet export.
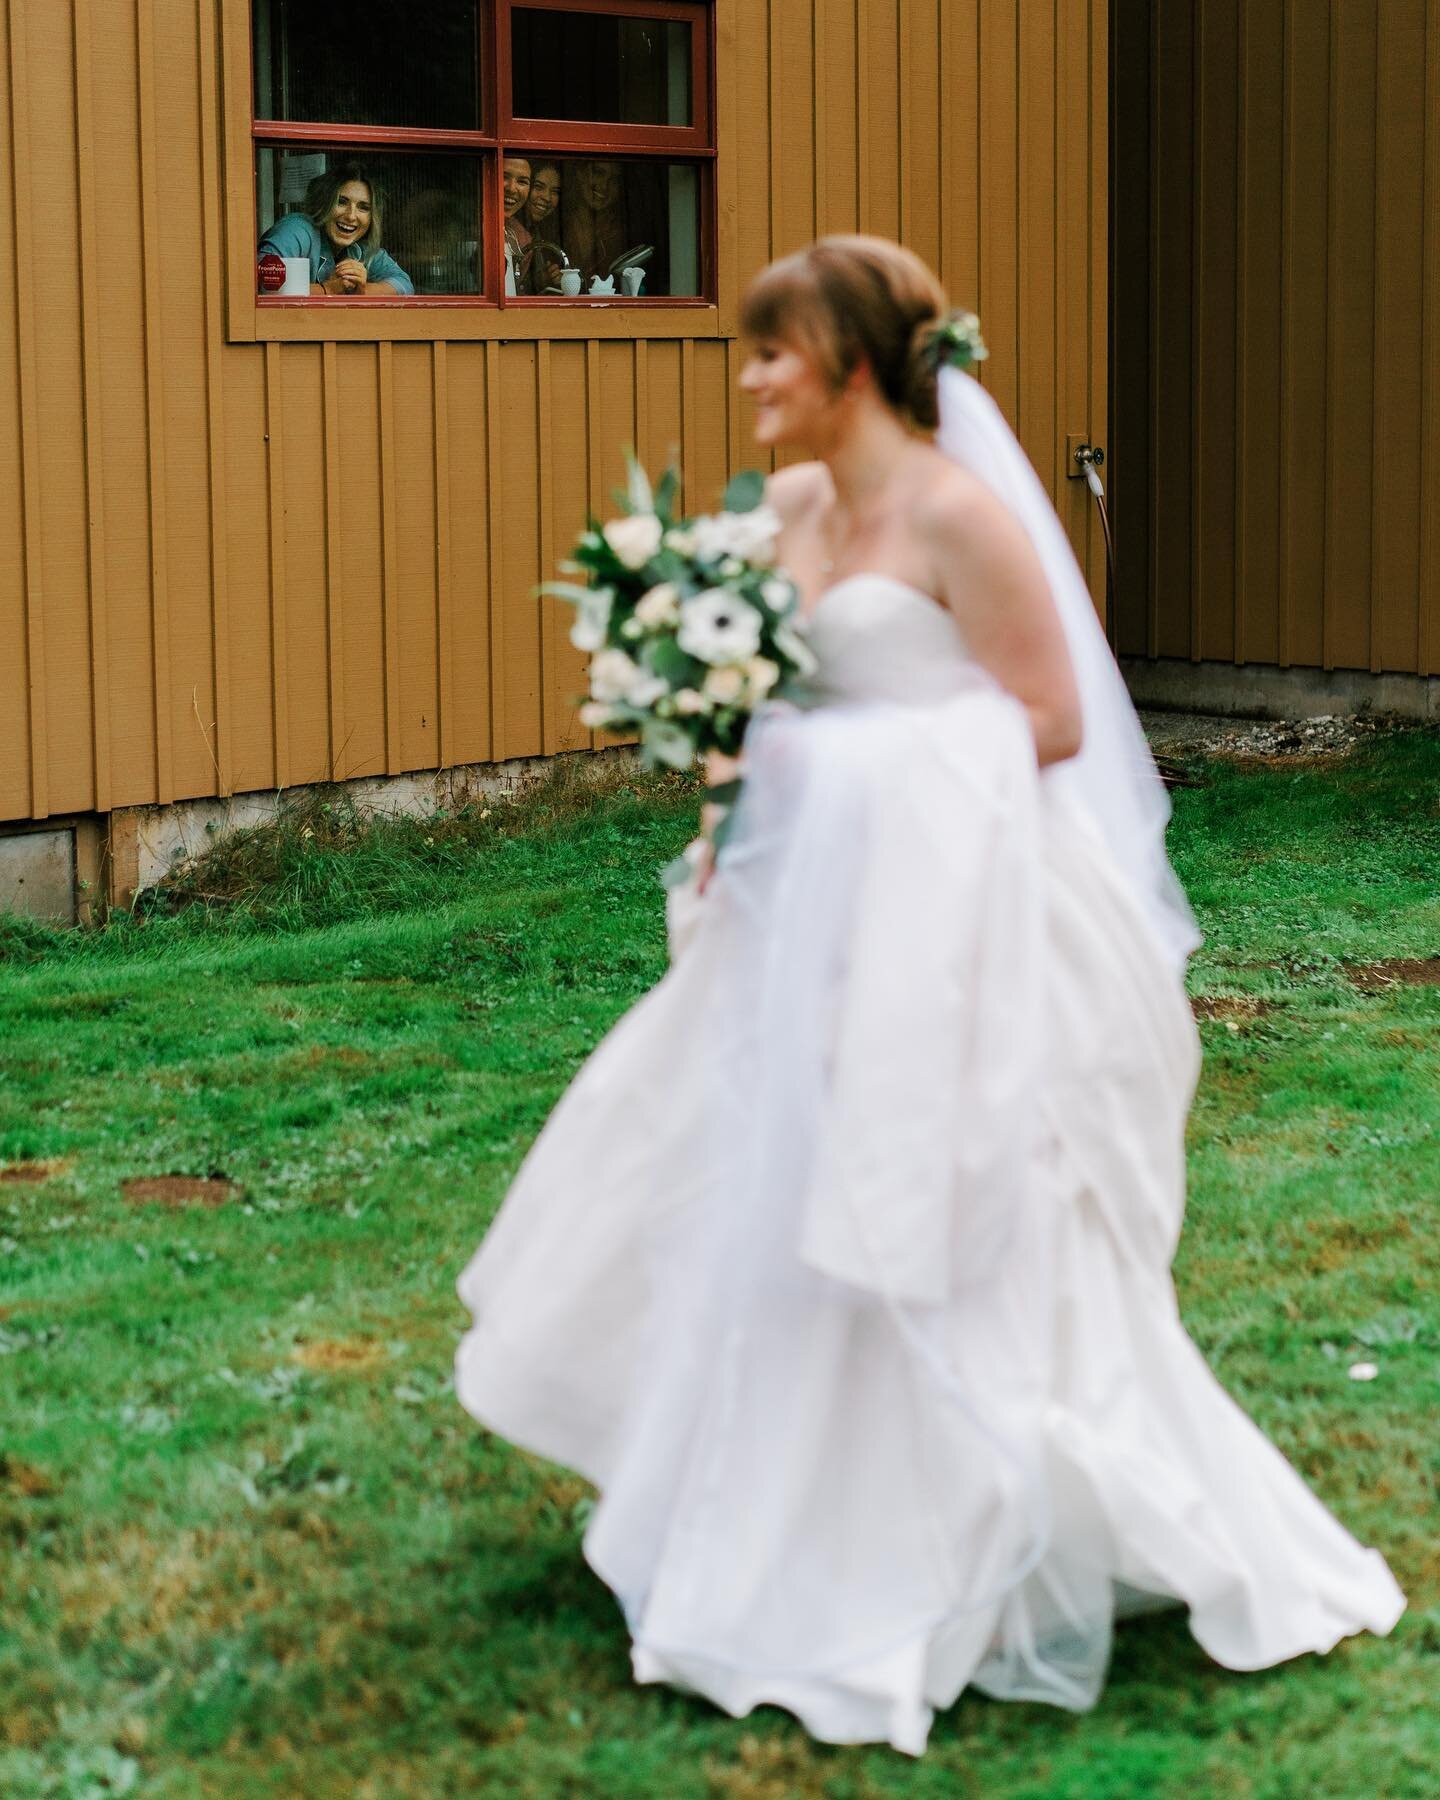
1275	469
240	566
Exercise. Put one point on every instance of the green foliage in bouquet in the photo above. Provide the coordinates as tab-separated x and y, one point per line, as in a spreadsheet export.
689	624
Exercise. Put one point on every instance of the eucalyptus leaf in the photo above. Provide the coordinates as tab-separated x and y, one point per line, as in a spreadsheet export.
638	495
745	492
564	590
664	657
666	493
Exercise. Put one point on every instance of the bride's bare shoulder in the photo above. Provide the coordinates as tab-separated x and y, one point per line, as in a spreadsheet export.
953	510
798	490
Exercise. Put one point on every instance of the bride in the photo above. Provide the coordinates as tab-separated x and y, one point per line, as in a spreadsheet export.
842	1270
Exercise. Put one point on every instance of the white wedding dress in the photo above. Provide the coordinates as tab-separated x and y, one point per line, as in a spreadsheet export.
842	1270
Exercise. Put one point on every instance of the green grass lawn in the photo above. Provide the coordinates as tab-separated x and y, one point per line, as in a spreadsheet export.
252	1547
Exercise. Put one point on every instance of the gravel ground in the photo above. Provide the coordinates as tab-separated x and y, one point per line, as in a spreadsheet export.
1203	734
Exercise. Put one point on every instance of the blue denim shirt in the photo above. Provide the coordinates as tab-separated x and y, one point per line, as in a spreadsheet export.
295	235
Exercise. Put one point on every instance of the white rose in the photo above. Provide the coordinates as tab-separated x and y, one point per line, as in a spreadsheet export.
645	689
749	536
725	686
592	619
594	716
634	540
762	674
691	701
612	675
776	591
660	606
719	627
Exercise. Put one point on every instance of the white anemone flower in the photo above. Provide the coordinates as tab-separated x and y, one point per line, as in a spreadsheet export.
634	539
719	627
592	619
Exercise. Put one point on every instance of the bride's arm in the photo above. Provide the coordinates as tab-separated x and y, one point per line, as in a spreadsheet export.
991	578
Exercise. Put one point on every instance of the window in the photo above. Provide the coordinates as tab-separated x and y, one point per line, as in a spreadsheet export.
506	153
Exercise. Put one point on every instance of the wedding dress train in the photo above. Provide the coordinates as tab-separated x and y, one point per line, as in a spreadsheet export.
842	1270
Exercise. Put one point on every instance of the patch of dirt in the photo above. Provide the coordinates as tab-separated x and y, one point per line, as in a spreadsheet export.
180	1190
345	1054
1398	971
1231	1007
35	1171
341	1356
22	1478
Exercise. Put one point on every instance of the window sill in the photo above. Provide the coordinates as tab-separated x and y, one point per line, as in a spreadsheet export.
421	320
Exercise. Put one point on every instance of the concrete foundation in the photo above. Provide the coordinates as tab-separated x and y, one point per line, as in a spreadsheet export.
37	875
52	870
1254	691
146	842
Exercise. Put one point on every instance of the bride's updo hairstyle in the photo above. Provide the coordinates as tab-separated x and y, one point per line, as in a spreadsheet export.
848	300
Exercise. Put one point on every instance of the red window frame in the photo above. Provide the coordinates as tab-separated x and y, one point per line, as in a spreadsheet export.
501	131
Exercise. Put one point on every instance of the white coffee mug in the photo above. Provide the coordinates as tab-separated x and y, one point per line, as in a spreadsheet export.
297	275
569	281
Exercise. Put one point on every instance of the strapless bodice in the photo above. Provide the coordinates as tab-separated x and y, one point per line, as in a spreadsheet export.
878	638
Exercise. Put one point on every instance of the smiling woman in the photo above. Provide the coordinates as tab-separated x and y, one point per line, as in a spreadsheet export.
338	230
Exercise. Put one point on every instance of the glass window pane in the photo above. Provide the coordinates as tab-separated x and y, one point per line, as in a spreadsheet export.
368	62
412	220
572	219
573	65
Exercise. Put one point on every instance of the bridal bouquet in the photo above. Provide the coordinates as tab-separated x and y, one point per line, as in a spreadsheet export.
689	624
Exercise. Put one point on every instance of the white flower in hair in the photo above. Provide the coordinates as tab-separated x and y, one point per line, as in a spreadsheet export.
719	627
747	536
634	539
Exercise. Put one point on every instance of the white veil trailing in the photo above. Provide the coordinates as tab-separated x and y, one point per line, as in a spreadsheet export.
1114	778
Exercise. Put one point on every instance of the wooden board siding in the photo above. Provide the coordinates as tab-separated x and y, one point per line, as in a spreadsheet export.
1276	464
236	566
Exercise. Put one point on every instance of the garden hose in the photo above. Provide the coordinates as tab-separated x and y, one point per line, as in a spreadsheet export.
1090	457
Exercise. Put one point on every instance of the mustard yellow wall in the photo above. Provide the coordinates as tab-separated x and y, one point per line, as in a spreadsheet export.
235	566
1277	289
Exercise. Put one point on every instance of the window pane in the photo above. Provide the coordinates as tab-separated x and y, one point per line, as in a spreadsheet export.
571	65
423	217
368	62
589	216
